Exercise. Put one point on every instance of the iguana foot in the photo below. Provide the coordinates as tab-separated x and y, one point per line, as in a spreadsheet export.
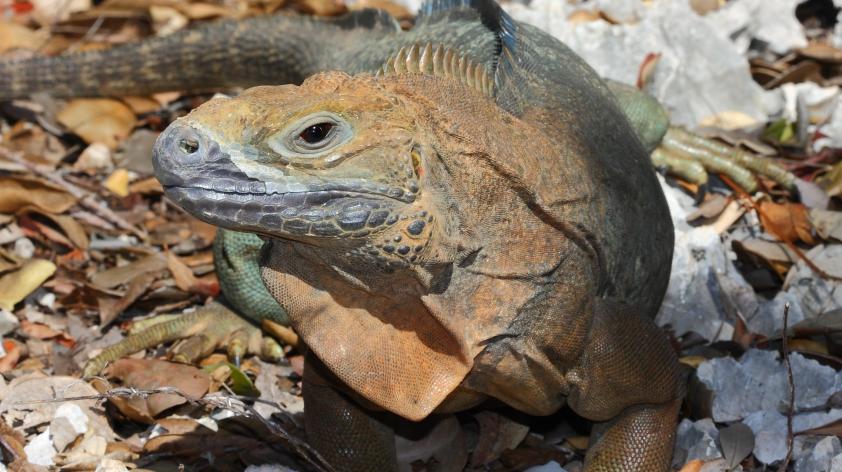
198	334
691	157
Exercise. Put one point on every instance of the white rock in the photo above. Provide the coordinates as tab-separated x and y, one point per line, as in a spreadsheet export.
40	450
770	21
78	419
818	457
24	248
696	57
758	382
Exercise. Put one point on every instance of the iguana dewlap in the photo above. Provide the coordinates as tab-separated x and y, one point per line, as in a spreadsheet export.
450	232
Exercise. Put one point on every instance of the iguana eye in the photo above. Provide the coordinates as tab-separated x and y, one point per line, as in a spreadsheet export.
314	134
310	137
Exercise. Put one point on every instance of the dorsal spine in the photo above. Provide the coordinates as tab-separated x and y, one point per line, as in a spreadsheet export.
440	61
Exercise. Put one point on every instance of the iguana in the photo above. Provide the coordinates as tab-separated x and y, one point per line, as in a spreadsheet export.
485	234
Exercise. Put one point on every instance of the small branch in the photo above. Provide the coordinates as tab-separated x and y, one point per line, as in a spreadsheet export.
87	200
791	412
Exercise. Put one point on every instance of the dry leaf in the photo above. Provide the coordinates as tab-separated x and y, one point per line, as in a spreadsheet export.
150	374
110	308
320	7
737	443
167	20
142	105
96	156
50	12
118	183
72	228
15	286
15	36
693	466
788	221
828	224
119	275
98	120
497	433
18	192
397	10
832	181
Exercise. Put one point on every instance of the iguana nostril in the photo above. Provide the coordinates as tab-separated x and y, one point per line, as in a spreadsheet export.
188	145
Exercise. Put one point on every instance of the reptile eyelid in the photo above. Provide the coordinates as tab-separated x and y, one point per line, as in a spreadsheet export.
290	147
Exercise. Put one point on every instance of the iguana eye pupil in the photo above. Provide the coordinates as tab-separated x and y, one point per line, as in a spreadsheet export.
316	133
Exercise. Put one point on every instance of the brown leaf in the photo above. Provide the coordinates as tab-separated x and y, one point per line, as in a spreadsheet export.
151	374
828	224
118	183
68	225
186	281
497	434
119	275
788	221
397	10
109	308
320	7
18	192
98	120
693	466
822	52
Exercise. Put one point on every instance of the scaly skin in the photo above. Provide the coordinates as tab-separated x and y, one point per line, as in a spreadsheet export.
513	247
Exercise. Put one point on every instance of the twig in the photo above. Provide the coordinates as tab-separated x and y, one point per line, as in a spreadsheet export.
791	412
86	199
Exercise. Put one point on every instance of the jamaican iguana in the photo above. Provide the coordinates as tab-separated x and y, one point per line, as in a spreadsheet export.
484	218
544	257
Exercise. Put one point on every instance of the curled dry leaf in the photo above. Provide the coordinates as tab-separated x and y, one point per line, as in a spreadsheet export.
119	275
15	286
788	221
148	374
98	120
18	192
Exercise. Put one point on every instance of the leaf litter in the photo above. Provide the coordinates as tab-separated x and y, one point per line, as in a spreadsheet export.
89	248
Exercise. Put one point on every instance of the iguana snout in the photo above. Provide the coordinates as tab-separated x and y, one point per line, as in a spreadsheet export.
297	163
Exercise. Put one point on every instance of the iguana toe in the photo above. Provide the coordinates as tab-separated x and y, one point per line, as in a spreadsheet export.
198	334
691	157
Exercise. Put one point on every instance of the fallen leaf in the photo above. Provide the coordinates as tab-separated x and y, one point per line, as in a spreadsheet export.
831	182
18	192
15	286
110	309
828	224
15	36
98	120
737	443
241	384
395	9
13	354
186	281
693	466
118	183
320	7
94	157
148	374
119	275
703	7
788	221
497	433
711	207
50	12
141	105
822	52
68	225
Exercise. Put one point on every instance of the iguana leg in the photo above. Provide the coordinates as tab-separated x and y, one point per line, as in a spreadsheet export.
350	438
203	331
627	379
687	155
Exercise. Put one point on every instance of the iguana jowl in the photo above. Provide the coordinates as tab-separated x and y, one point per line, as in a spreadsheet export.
457	229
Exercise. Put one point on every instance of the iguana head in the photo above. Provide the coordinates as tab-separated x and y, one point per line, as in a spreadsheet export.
335	159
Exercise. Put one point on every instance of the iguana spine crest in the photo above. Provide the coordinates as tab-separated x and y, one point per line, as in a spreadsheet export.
439	61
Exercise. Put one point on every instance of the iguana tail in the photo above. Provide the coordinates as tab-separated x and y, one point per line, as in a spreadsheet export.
264	50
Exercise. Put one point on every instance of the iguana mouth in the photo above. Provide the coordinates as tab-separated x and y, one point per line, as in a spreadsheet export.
198	175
